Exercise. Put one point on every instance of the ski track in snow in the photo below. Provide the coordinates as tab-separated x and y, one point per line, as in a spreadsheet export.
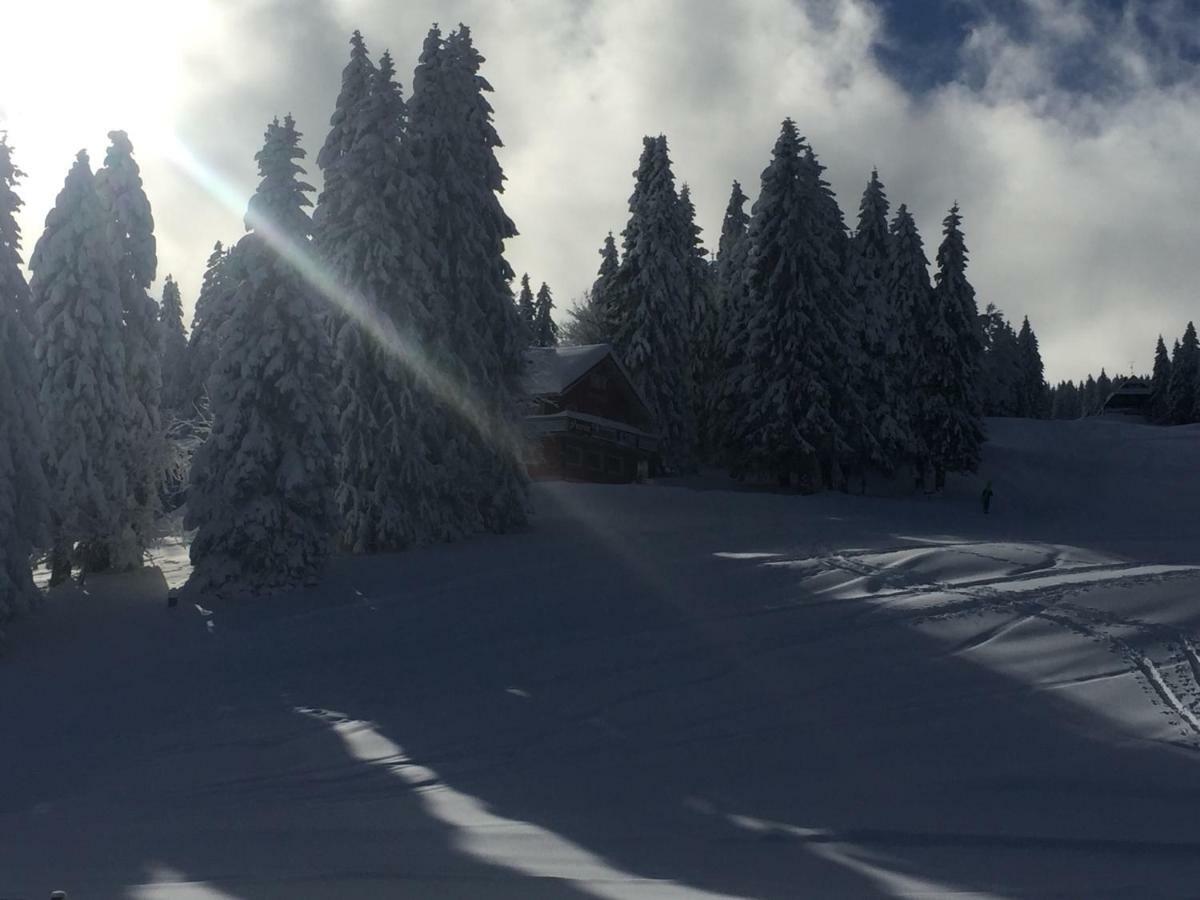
1163	656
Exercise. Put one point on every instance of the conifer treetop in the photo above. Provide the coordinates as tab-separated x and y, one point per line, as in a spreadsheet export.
279	202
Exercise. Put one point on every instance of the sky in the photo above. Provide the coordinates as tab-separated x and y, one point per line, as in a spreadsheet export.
1068	131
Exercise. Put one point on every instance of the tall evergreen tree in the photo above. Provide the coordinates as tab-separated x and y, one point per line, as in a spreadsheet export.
1104	388
587	321
357	76
364	232
177	384
610	264
786	425
131	236
1185	368
1160	382
1001	367
526	307
1088	397
703	368
76	294
23	489
853	437
213	306
911	298
545	331
1032	399
477	342
733	312
649	303
889	441
262	484
950	412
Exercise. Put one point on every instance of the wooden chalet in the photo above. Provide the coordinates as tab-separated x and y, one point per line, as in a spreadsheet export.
586	421
1131	398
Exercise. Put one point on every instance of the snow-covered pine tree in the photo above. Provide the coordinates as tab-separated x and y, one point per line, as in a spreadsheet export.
76	296
610	264
545	330
888	442
911	298
785	424
1087	395
1032	400
949	415
387	492
213	305
649	306
587	320
23	489
177	385
1185	368
131	235
1160	382
357	76
703	367
476	341
1104	387
853	438
732	314
355	89
262	485
1001	370
527	307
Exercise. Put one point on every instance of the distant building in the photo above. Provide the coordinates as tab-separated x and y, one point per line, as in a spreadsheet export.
586	422
1131	397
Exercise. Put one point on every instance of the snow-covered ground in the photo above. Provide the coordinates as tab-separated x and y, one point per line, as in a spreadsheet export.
666	691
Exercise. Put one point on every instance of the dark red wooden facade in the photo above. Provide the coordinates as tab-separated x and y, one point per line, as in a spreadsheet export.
587	421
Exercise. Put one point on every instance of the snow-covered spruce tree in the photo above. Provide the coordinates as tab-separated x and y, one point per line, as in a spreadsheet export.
213	305
1032	401
786	423
131	236
545	330
1104	387
1088	395
387	492
888	442
177	387
853	439
649	306
911	298
475	341
357	76
1181	390
23	490
1000	378
527	307
731	389
948	408
355	89
587	321
1160	382
262	485
703	366
76	296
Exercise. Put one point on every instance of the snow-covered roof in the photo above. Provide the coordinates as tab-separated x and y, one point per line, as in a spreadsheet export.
551	370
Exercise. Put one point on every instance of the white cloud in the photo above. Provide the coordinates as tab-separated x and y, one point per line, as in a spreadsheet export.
1078	211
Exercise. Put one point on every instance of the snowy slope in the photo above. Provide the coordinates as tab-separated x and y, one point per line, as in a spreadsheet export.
675	691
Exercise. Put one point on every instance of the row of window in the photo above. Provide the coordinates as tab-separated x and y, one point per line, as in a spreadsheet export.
593	459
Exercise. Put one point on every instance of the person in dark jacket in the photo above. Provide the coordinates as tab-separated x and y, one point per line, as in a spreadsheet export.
987	498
